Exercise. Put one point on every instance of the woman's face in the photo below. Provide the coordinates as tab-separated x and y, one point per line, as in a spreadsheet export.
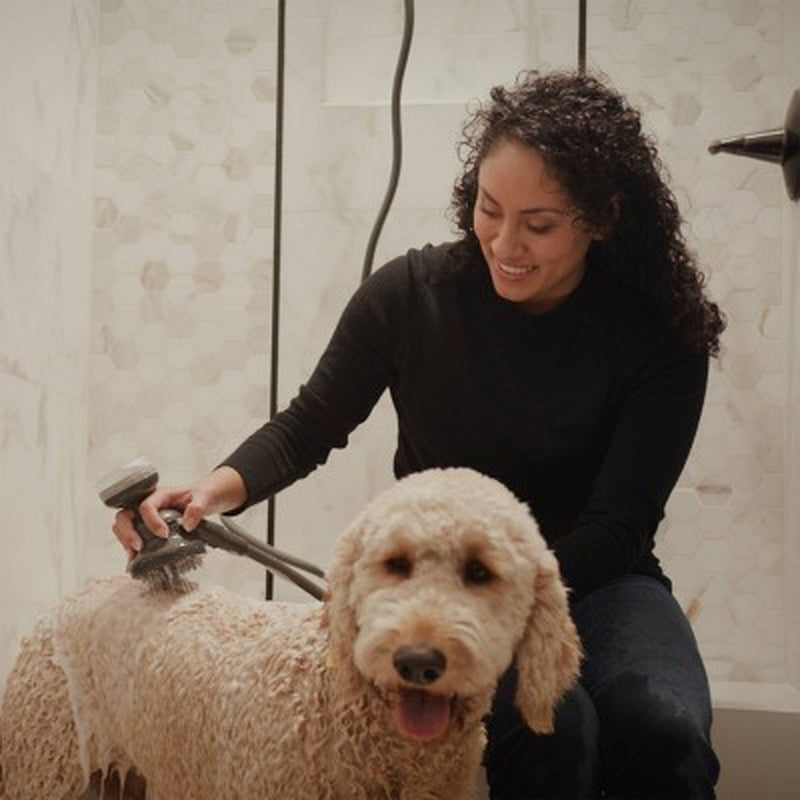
534	246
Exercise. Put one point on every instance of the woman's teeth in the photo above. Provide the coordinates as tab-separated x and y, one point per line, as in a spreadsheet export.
515	271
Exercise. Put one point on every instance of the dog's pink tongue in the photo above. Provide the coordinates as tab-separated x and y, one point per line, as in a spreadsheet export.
421	715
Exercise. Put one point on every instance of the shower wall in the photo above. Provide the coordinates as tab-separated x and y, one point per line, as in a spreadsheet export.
48	95
183	238
136	282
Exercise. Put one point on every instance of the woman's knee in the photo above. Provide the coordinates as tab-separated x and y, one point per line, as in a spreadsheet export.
656	748
647	680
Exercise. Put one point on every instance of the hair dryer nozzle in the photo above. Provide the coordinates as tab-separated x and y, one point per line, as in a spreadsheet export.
780	146
765	145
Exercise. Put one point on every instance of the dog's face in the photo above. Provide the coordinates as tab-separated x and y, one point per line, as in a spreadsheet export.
439	609
435	589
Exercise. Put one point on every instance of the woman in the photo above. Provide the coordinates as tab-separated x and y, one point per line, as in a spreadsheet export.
560	345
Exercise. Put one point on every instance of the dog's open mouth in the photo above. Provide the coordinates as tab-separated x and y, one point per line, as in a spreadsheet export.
422	715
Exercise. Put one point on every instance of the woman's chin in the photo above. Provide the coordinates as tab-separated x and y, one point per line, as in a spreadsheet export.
515	291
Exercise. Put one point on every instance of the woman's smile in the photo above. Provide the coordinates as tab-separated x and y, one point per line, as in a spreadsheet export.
512	271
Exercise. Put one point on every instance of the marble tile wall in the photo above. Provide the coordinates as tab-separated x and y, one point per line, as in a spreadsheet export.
791	263
169	343
48	95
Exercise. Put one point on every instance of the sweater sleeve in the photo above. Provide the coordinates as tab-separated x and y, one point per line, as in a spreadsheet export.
648	448
350	377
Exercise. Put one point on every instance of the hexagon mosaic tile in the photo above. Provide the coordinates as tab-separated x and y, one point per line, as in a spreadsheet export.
183	231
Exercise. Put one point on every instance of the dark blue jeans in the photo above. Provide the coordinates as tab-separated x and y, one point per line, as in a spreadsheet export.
638	723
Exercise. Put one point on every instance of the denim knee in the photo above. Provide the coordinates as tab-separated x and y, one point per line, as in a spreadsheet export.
660	751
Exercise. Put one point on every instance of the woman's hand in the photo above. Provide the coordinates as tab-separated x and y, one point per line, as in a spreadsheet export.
220	491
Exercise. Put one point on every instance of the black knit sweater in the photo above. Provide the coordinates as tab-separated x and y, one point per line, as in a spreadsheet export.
587	413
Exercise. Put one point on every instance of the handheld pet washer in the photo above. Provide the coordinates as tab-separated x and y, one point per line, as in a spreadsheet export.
163	562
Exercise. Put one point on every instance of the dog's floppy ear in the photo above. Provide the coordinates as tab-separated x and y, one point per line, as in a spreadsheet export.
339	613
548	655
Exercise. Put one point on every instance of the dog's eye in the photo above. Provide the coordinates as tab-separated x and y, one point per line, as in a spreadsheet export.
477	572
398	565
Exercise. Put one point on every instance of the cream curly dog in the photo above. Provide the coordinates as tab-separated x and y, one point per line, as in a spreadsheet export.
377	693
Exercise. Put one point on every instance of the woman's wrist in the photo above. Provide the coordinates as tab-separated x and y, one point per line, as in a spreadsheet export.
224	488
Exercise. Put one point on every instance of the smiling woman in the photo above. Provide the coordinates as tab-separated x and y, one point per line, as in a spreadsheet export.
534	245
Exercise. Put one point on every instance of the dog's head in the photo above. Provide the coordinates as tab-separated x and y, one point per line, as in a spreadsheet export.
435	588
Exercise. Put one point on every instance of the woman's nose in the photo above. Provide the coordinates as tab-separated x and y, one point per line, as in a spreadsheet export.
507	242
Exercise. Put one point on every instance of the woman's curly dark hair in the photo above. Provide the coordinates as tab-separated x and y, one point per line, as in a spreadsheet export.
592	142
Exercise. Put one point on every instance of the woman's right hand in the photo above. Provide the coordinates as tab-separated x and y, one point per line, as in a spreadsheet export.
220	491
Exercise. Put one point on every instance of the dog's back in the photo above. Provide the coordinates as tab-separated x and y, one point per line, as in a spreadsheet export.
185	688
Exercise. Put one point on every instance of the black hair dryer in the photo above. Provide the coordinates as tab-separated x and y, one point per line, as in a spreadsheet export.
780	146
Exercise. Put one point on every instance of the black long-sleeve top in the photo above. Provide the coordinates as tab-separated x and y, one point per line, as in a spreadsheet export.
587	412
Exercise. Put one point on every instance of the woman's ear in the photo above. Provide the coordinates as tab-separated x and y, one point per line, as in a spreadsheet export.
613	216
549	653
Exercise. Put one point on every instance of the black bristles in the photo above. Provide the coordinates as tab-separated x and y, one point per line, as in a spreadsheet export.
162	563
171	575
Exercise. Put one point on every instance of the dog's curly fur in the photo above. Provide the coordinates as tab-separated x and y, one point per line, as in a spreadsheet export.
208	694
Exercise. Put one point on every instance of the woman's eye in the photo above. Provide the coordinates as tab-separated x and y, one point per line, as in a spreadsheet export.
539	229
488	212
398	565
476	572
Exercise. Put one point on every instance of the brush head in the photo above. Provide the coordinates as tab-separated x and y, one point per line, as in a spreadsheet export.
163	563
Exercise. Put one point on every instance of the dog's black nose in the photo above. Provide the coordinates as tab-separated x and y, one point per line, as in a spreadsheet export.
419	665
